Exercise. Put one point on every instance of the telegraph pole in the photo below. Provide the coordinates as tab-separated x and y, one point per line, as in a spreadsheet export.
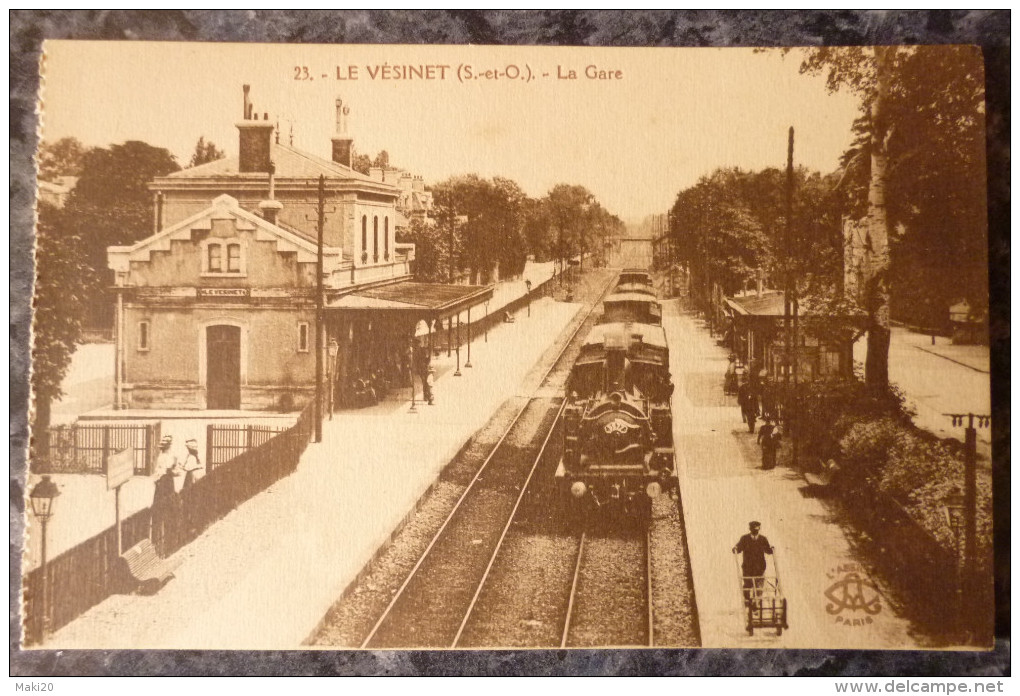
794	302
319	323
967	588
789	305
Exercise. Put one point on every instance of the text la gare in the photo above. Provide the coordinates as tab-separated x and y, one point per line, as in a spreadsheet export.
591	72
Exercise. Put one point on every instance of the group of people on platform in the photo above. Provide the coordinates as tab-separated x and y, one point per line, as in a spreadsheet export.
370	386
173	476
756	395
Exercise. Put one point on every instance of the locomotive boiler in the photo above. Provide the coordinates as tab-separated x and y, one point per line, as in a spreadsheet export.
617	423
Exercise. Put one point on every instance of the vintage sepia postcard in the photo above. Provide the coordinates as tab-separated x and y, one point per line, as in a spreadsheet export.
461	347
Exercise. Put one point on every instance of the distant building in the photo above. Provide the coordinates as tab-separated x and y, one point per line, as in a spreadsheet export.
413	201
217	308
56	192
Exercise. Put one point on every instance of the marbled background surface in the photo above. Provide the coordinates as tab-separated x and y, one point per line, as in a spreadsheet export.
989	29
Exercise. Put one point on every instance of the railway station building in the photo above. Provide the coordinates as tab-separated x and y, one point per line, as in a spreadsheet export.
217	308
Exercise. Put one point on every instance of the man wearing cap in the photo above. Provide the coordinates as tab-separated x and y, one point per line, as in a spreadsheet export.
753	548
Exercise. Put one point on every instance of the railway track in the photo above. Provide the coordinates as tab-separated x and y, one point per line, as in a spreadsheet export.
431	607
610	602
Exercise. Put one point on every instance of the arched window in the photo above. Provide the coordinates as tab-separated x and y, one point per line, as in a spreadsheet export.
223	257
364	234
386	237
215	258
375	237
233	258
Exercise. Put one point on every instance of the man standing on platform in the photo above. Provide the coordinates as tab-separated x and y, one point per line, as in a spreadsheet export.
752	547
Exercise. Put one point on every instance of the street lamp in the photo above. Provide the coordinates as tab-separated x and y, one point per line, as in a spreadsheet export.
334	350
42	497
527	284
486	321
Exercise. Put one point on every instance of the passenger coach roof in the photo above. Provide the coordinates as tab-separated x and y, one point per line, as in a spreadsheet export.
643	288
650	333
630	297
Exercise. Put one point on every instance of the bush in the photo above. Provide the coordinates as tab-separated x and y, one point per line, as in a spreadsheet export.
866	446
914	463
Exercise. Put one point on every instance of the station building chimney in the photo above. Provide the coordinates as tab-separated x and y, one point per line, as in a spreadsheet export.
343	143
255	139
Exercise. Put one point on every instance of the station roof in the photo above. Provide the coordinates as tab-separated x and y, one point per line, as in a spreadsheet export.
770	305
290	163
429	299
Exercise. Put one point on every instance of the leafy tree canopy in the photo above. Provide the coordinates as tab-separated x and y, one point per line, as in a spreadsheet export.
205	151
62	158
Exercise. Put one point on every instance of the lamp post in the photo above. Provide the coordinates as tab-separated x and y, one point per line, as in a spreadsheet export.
486	321
42	497
527	284
334	350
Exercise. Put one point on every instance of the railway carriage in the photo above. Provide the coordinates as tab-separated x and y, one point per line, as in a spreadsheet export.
618	439
634	275
637	307
639	288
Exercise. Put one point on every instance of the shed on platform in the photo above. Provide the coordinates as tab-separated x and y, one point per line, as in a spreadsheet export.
824	346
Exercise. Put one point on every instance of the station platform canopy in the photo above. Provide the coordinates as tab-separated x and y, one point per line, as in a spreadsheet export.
413	300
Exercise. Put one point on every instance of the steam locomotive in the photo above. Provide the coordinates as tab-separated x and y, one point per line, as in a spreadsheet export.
618	423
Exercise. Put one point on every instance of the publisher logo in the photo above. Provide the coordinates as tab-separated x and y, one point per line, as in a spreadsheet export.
853	598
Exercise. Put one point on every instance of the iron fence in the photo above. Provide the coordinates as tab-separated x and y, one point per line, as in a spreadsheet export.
85	575
84	447
225	442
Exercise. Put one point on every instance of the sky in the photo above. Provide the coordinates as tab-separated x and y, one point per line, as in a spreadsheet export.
643	124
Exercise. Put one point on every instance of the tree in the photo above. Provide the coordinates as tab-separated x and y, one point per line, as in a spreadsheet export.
568	208
57	319
112	205
431	249
921	134
62	158
205	152
361	163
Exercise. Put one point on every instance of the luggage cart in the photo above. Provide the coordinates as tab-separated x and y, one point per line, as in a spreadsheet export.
764	603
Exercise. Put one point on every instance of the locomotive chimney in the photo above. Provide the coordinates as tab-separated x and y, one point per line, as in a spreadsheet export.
255	139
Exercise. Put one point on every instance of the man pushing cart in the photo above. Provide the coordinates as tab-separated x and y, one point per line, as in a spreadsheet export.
763	597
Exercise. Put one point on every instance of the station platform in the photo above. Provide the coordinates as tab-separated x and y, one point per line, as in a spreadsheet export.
264	576
723	488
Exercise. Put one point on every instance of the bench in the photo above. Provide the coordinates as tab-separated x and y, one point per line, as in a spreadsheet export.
145	571
822	478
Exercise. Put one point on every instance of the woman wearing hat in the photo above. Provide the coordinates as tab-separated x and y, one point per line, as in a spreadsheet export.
193	469
165	501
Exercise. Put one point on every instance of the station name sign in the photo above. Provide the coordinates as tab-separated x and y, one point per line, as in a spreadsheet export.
224	292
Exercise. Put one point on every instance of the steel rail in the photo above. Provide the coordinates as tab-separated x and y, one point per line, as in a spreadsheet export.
506	527
651	608
573	591
481	469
